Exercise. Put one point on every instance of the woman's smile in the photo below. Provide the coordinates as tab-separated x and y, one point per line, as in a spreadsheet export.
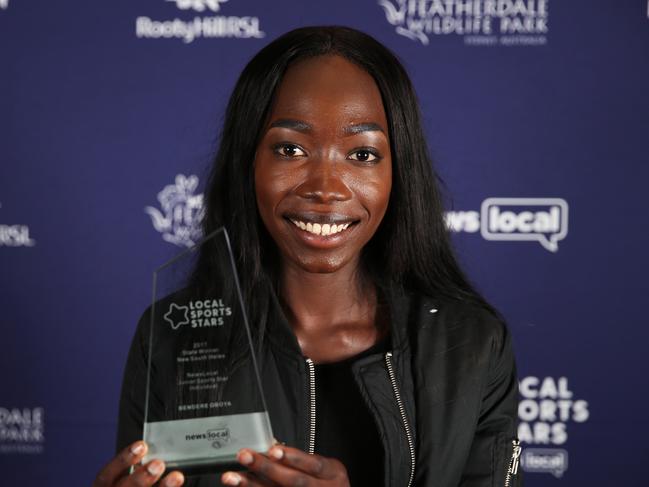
322	230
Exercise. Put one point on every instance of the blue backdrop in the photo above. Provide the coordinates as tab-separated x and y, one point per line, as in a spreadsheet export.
537	115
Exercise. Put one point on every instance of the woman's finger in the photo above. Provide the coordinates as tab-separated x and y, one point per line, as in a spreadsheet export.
117	467
281	468
174	479
313	465
245	480
144	475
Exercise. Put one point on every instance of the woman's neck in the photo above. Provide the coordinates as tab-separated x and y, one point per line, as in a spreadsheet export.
333	314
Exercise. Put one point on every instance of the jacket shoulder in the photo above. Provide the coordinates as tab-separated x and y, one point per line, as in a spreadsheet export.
460	317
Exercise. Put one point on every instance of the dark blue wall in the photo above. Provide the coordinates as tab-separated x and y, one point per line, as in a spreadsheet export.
95	121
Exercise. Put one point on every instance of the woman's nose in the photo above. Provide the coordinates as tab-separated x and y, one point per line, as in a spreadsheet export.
324	182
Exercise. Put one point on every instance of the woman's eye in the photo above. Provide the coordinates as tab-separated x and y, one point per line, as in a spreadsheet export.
288	150
364	155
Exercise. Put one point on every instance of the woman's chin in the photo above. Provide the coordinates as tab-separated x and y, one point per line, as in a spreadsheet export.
322	264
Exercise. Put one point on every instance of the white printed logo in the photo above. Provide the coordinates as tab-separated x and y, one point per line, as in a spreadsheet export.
207	27
4	4
15	236
545	460
546	408
543	220
177	316
181	212
199	5
201	313
537	219
479	22
22	430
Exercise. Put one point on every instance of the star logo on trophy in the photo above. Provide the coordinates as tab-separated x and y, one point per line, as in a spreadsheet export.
177	316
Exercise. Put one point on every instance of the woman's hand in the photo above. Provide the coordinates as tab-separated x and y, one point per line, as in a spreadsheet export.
115	473
287	467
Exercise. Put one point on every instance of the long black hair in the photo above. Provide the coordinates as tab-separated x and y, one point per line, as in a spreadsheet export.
411	247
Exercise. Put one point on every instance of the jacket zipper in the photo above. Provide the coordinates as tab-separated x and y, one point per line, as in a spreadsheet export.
404	419
512	469
311	441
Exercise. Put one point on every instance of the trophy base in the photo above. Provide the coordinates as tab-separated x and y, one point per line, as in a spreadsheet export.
210	469
210	444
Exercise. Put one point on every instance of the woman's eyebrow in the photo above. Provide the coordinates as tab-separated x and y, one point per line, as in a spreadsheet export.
289	123
300	126
362	127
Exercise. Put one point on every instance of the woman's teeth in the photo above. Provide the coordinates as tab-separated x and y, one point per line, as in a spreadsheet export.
317	229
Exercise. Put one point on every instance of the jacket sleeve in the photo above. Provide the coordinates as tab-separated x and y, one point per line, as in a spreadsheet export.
132	398
494	449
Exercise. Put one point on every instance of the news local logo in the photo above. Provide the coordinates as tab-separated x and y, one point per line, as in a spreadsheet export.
545	460
542	220
547	407
218	437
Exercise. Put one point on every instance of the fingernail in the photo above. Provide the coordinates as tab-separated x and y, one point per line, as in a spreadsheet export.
231	478
155	468
277	453
174	481
137	448
245	457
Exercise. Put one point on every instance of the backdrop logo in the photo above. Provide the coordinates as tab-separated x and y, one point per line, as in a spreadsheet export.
545	460
4	4
22	430
180	213
537	219
542	220
479	22
211	26
199	5
546	408
15	236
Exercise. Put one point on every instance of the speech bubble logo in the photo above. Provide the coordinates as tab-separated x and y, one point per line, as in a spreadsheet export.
545	460
543	220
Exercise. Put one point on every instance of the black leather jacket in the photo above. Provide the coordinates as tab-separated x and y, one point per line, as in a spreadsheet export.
444	398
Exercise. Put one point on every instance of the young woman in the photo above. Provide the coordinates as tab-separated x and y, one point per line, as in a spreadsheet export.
324	182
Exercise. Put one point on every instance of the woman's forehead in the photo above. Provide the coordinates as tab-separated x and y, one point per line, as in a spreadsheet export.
328	88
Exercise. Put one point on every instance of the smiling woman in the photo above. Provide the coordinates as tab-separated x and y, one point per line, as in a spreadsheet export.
381	364
324	164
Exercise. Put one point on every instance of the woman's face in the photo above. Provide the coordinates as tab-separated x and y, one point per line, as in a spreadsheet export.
323	168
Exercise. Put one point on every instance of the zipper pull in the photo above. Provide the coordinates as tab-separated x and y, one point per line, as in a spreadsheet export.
516	457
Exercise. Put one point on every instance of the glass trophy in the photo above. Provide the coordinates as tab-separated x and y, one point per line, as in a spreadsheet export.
204	399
